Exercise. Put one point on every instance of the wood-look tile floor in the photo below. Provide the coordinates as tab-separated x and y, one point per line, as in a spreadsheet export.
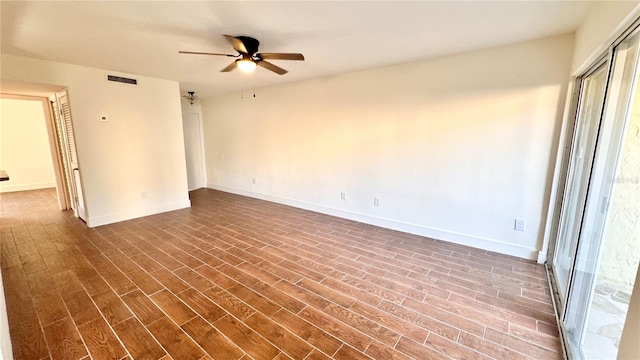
238	278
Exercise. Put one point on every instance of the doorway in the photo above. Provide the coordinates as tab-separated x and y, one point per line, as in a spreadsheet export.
194	151
24	144
597	250
60	141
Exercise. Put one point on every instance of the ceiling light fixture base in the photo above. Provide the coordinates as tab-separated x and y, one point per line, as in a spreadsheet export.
191	97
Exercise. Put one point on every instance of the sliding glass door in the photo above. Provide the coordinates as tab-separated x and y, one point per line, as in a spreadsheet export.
598	246
592	91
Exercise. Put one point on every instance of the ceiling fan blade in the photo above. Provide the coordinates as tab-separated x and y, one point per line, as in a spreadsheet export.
269	66
230	67
237	44
280	56
205	53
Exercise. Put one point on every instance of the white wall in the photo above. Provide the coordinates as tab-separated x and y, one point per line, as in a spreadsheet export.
5	337
134	164
604	22
455	148
24	146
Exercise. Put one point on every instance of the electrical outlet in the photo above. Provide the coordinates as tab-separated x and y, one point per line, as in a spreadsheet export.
376	201
519	225
255	181
343	196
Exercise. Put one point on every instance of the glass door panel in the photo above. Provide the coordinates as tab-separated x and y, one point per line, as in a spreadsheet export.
592	91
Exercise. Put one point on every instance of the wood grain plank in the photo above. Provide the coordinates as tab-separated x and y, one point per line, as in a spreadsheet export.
418	351
302	295
278	297
92	281
279	271
170	281
174	340
398	325
489	348
373	289
145	282
258	273
211	340
64	341
138	341
253	299
346	352
317	355
251	342
202	305
279	336
326	292
50	308
100	340
230	303
446	317
173	306
418	319
28	340
194	279
308	332
352	291
111	307
377	350
341	331
142	307
216	277
81	307
536	351
363	324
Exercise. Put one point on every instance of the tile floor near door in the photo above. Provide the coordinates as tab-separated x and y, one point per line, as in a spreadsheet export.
234	277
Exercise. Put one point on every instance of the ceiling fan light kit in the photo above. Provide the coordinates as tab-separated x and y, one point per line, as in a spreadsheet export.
249	57
246	65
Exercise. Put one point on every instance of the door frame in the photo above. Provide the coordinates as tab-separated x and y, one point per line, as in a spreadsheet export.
562	172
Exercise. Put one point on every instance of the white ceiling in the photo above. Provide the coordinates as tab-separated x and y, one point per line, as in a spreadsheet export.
143	37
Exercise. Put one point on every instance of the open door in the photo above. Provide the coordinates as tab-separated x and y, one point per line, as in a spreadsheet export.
72	168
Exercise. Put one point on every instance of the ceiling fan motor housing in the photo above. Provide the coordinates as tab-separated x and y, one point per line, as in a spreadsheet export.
250	44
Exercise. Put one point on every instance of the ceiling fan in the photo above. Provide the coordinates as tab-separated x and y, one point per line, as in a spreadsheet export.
248	56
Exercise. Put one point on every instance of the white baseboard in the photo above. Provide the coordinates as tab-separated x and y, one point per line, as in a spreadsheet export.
542	257
93	221
6	187
430	232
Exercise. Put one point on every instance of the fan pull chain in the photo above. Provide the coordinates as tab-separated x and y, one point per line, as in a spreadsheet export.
253	78
241	86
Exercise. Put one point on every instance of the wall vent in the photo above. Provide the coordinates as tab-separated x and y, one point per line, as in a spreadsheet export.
122	79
